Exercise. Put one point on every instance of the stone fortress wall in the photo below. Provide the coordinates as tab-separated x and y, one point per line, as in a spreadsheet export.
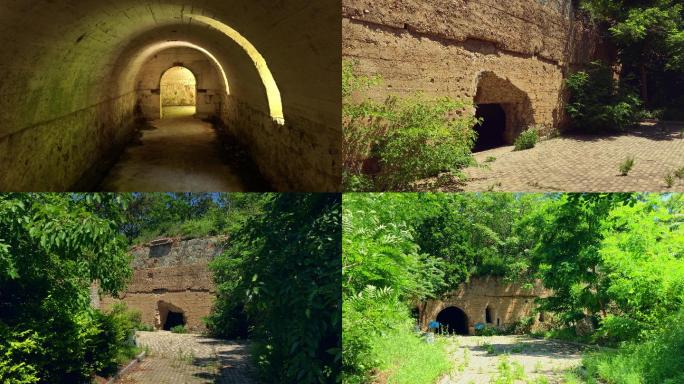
171	282
486	300
515	53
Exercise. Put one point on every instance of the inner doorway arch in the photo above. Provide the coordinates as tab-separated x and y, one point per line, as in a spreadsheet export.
178	92
454	320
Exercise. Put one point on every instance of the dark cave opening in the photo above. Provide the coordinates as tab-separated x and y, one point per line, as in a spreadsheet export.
491	133
454	319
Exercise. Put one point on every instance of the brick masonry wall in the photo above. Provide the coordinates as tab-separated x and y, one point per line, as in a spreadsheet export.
483	51
172	273
507	302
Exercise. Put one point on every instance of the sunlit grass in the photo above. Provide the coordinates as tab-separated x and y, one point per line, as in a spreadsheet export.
405	358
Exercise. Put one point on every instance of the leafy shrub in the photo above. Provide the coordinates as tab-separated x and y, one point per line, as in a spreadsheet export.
15	352
410	139
627	165
179	329
366	315
284	267
657	360
145	327
597	103
527	139
377	336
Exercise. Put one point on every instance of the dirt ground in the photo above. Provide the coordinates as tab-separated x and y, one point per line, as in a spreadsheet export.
477	358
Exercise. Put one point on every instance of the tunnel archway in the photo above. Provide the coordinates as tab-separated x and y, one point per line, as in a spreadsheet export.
491	131
454	320
73	107
178	89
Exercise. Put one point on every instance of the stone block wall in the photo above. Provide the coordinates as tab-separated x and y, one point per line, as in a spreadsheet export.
516	53
172	275
507	302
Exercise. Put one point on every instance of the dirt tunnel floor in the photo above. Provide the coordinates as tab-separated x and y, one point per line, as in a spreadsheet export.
583	163
180	153
477	358
189	359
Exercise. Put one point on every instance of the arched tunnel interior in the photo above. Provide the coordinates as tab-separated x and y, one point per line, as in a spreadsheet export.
454	319
82	85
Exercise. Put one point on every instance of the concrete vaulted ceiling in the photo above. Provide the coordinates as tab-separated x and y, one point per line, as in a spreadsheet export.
69	72
59	57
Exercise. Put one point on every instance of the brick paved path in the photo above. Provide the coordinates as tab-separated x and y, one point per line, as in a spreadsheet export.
584	163
189	359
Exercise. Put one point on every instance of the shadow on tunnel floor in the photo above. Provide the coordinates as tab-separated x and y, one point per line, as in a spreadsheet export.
232	153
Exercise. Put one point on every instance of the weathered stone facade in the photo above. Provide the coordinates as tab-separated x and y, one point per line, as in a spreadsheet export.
171	278
487	300
515	53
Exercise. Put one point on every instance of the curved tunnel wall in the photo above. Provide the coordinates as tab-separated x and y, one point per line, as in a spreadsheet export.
69	95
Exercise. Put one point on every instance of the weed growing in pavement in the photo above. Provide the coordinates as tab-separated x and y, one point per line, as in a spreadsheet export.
627	165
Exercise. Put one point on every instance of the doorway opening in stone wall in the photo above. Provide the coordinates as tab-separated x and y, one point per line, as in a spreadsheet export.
491	131
454	320
169	316
178	89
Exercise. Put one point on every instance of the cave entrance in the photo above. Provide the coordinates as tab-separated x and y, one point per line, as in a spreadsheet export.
491	133
169	316
454	319
173	319
178	88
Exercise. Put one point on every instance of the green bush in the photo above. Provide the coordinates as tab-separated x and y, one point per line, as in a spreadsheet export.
527	139
597	103
657	360
284	267
179	329
378	337
410	138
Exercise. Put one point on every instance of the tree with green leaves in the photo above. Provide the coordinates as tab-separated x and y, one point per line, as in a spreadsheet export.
649	35
52	248
282	271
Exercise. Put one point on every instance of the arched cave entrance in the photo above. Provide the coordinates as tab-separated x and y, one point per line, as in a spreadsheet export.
454	319
488	315
491	133
178	88
169	316
505	109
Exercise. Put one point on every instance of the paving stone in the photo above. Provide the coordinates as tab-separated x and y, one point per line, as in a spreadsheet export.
190	359
584	164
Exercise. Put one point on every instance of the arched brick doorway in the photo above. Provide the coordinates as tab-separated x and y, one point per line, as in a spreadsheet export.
454	320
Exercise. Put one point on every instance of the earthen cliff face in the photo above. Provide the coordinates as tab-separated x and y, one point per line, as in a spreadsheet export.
171	276
489	301
515	52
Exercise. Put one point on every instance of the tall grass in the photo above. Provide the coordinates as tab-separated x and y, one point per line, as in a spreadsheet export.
405	358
